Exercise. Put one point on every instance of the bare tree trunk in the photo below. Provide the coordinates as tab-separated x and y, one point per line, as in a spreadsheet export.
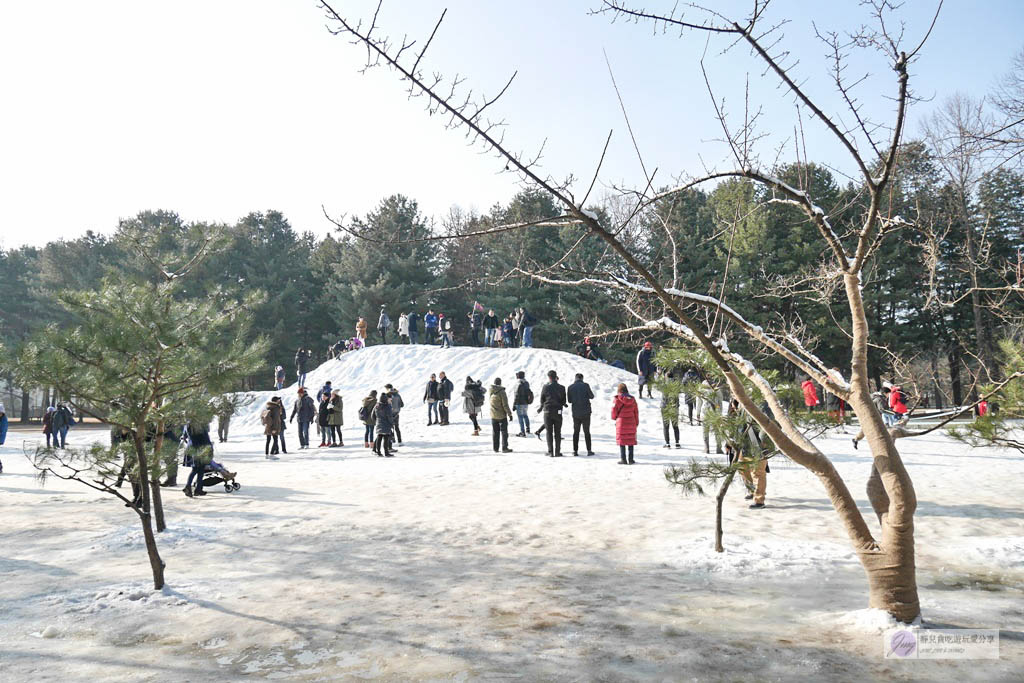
25	416
155	563
954	376
719	499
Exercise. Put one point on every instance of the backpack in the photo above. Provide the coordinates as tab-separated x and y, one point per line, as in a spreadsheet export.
364	413
478	395
529	396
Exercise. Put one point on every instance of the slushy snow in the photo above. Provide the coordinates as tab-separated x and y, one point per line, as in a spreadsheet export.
452	562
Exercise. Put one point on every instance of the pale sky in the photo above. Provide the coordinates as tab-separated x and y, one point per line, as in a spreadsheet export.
215	108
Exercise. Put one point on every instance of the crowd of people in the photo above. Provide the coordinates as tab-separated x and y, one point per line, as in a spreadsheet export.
488	329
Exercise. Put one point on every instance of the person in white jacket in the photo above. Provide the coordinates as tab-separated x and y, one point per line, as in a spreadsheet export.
403	325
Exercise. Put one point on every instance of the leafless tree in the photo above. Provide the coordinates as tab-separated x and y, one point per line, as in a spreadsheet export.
872	147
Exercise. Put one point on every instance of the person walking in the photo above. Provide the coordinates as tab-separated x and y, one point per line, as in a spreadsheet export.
527	324
897	401
361	330
381	420
397	403
63	420
691	378
501	415
645	369
711	405
272	418
490	324
579	396
522	398
445	388
430	326
755	468
198	454
367	418
810	394
48	429
302	357
383	323
323	420
403	327
475	321
3	431
279	378
472	401
626	414
552	401
446	331
670	408
414	327
305	409
225	409
430	398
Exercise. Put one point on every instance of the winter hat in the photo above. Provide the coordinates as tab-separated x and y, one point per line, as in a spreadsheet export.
49	409
441	315
301	391
497	381
388	387
336	392
648	345
552	374
586	340
521	375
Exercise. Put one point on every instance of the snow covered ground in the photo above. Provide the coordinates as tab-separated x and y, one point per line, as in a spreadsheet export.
450	561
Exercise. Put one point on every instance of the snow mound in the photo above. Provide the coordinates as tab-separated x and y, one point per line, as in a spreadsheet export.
408	367
1006	552
130	537
745	556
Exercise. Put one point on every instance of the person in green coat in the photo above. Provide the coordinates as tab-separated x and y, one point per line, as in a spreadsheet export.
501	415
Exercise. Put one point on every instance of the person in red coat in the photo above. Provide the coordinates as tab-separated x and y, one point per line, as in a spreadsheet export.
627	417
896	401
810	394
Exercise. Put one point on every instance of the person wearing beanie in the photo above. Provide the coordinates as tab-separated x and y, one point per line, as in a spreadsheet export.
580	395
522	398
552	401
645	369
48	429
501	415
305	408
627	417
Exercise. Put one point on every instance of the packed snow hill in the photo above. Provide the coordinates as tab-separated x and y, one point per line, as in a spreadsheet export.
450	561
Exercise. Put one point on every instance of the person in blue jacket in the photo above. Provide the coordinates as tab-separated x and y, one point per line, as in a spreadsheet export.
3	430
430	325
645	369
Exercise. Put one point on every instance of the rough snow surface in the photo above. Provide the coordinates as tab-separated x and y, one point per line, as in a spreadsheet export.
451	562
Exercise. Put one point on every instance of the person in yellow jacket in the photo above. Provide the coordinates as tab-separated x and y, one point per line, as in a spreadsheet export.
501	415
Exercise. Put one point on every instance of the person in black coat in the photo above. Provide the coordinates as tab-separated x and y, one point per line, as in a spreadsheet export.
552	401
579	396
430	398
305	408
444	396
323	414
645	369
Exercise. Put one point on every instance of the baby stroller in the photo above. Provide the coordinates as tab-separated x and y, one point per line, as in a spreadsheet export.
215	473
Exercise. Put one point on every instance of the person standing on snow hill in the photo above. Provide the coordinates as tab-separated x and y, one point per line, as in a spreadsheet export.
444	396
382	420
446	331
810	394
414	328
580	395
521	400
272	418
473	401
527	324
626	414
366	417
383	323
475	320
361	330
403	327
325	390
645	369
279	378
501	415
508	334
552	400
490	324
305	408
3	431
395	399
430	326
430	398
301	362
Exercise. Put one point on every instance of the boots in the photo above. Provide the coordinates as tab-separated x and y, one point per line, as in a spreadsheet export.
476	432
169	482
188	491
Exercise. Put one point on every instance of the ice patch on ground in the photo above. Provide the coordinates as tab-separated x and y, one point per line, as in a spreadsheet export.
1006	552
179	533
868	620
744	555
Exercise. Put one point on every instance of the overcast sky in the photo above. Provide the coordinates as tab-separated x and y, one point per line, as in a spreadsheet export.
215	108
